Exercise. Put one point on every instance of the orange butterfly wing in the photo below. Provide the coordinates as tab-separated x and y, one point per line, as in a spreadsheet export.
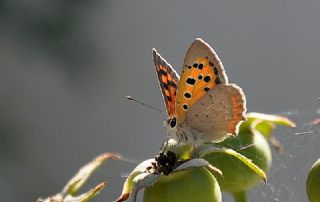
168	81
202	70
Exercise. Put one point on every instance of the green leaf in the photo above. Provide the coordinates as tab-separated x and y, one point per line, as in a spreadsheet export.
211	149
264	127
128	184
86	196
313	182
265	124
75	183
72	187
280	120
268	121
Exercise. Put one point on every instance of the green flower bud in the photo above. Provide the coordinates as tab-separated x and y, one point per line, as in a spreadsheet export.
313	183
194	184
236	176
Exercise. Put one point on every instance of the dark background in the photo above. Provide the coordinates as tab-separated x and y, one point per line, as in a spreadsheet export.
66	66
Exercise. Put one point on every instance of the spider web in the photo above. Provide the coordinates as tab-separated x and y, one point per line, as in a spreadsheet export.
288	174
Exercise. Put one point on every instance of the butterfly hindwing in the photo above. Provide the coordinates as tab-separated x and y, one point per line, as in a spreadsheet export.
219	112
202	70
168	81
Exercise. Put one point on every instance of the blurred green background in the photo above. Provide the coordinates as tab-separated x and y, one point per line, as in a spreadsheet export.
66	67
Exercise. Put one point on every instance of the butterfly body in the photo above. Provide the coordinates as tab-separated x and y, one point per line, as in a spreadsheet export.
183	133
201	105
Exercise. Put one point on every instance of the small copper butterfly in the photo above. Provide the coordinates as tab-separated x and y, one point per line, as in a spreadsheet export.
201	105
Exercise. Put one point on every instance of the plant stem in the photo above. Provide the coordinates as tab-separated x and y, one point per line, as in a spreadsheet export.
240	196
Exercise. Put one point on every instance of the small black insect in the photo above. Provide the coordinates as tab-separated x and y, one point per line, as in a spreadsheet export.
165	163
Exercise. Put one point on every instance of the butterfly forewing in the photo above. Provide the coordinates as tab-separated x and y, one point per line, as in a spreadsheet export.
168	81
202	70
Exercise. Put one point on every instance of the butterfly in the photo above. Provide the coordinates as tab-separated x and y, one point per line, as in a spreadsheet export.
201	105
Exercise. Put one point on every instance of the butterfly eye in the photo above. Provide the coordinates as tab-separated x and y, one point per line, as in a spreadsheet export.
173	122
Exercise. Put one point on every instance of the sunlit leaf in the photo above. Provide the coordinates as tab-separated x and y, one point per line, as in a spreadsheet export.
86	196
265	124
55	198
128	184
279	120
212	149
264	127
84	173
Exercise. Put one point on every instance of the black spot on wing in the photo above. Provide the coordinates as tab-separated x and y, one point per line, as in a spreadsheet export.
164	73
165	86
173	84
215	70
207	78
187	95
191	81
200	66
217	80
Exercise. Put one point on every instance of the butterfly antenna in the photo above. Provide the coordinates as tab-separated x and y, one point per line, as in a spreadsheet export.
144	104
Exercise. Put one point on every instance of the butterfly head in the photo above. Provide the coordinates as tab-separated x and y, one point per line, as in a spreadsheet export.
171	126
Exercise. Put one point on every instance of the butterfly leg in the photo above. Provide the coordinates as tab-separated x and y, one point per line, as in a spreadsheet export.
164	145
169	142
